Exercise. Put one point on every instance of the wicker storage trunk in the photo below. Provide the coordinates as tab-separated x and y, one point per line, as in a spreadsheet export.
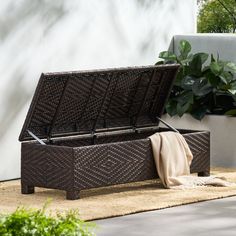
90	128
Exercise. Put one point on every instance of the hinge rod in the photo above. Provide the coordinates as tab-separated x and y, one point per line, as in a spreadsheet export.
35	137
168	125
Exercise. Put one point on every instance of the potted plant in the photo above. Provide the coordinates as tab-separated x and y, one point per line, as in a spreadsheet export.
204	93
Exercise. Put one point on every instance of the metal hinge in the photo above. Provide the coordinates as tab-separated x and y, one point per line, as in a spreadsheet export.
167	125
35	137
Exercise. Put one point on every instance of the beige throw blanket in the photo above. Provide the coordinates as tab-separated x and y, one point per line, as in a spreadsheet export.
173	159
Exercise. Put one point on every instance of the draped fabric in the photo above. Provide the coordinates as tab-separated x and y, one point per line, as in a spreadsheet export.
173	158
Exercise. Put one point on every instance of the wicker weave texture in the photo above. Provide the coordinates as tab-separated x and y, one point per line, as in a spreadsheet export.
47	166
80	102
199	144
114	163
76	168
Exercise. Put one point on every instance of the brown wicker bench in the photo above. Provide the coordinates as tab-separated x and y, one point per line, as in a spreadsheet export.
88	129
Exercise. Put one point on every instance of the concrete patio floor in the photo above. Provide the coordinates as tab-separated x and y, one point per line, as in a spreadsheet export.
215	217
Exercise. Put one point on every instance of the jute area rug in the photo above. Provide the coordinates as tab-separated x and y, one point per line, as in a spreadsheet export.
114	200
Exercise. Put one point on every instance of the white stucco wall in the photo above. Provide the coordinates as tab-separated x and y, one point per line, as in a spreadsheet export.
40	36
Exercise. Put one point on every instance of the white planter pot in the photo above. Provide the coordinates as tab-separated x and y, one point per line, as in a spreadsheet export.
223	135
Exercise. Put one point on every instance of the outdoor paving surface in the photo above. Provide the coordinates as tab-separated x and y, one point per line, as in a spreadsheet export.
215	217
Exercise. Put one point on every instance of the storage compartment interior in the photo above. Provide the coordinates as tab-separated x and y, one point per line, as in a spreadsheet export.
113	137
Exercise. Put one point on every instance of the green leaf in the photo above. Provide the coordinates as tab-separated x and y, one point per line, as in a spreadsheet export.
187	82
212	78
199	112
195	65
184	48
166	55
185	97
231	112
212	58
181	109
185	61
223	79
186	70
179	77
201	87
171	107
228	76
231	66
35	222
159	63
216	68
232	89
224	87
206	69
203	56
180	104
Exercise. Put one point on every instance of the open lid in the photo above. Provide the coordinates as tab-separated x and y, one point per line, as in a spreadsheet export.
81	102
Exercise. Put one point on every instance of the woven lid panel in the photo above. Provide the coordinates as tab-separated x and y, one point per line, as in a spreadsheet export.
82	102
